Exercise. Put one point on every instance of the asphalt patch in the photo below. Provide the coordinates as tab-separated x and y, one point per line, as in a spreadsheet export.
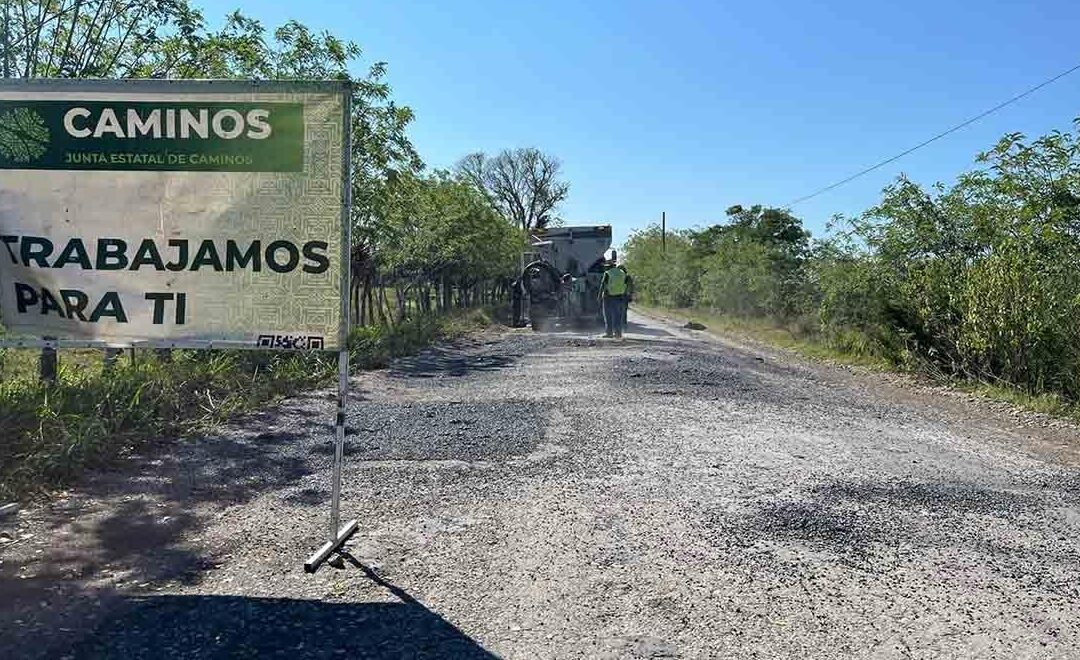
861	523
446	431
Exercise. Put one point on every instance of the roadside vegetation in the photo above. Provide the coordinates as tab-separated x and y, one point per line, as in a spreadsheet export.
52	432
432	249
977	282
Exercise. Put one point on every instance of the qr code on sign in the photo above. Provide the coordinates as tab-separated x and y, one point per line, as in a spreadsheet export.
291	342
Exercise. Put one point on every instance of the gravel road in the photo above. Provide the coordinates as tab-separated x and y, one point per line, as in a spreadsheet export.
560	496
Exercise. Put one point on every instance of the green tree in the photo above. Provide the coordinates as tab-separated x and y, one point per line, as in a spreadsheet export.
665	273
738	278
983	274
521	184
89	38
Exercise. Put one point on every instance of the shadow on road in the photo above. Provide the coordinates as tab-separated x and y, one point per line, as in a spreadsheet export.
596	329
634	328
240	627
130	523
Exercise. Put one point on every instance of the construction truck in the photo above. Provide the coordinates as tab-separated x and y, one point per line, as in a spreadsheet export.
560	282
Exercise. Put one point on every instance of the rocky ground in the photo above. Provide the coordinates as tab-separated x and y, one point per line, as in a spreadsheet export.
559	496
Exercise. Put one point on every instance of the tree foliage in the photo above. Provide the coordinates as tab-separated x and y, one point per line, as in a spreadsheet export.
440	226
751	265
89	38
979	279
522	184
406	225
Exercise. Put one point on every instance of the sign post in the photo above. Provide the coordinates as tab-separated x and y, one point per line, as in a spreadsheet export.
178	214
339	534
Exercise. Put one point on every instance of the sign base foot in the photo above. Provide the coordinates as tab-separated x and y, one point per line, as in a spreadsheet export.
331	546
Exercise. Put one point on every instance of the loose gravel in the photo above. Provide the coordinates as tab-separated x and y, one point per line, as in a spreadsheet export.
561	496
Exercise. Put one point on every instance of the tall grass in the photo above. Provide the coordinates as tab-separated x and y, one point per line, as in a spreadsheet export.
51	433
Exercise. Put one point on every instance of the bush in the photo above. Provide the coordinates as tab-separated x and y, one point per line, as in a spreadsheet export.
1020	320
979	280
752	266
739	279
664	272
856	312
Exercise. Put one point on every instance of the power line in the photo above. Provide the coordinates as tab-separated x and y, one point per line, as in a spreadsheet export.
933	139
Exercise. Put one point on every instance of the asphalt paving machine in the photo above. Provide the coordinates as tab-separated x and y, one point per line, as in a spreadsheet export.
560	282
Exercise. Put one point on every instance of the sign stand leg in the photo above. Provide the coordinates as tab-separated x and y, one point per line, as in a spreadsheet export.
338	534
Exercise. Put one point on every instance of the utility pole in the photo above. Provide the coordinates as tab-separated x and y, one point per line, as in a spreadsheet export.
663	231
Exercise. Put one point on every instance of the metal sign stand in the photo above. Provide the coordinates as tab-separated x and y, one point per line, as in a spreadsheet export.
340	534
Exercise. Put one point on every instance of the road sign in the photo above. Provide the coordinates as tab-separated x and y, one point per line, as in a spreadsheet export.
185	214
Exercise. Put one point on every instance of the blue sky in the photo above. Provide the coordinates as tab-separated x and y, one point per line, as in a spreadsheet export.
692	107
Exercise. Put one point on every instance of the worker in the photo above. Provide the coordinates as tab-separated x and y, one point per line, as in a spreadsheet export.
629	295
613	297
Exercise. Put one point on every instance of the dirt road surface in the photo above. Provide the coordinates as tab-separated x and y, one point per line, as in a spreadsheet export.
559	496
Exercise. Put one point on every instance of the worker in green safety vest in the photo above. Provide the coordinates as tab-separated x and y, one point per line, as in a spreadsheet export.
613	290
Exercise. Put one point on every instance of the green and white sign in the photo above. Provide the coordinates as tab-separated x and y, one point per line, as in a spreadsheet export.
174	213
139	135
